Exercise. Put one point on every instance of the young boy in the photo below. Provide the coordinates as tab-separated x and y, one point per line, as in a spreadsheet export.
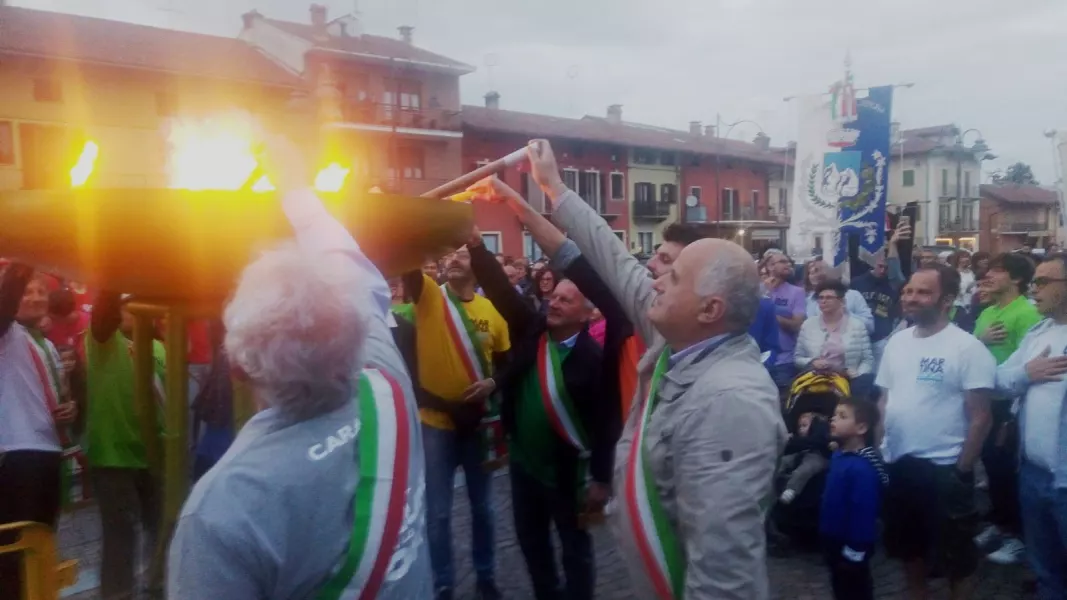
852	500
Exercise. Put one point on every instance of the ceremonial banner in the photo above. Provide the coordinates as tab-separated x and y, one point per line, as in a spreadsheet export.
841	170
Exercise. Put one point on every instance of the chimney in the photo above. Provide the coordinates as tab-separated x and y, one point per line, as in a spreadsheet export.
615	114
694	127
762	141
318	16
492	100
249	18
405	33
709	131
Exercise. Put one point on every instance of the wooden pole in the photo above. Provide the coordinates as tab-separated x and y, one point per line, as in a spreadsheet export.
464	181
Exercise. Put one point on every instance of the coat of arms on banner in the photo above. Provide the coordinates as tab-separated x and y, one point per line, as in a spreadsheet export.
842	157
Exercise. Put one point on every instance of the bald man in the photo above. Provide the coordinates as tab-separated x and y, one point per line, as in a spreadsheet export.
695	465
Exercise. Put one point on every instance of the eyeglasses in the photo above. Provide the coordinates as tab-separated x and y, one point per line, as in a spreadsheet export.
1043	281
828	298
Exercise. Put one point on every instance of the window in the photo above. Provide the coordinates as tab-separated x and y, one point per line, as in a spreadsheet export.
355	88
945	213
909	177
621	235
644	193
618	186
783	201
967	184
166	104
667	159
730	208
7	143
754	206
491	241
967	217
404	93
644	157
644	240
589	189
47	90
530	248
944	182
695	191
570	178
533	193
668	193
410	159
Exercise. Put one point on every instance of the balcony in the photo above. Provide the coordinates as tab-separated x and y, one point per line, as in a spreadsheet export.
651	209
410	187
1024	227
696	214
957	225
751	214
386	118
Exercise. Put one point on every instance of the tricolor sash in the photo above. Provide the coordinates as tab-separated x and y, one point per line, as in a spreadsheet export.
464	337
560	408
555	398
381	494
74	484
465	340
661	552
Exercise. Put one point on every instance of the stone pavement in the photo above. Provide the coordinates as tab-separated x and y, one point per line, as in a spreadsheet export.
799	577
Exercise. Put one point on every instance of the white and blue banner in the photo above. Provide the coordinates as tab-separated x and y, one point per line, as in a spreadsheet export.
842	167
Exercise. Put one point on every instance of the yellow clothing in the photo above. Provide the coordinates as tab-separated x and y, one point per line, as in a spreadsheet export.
441	370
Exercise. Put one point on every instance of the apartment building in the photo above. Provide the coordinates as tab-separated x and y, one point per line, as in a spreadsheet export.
1015	215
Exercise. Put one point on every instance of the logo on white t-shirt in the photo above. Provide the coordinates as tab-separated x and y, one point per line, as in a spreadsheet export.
932	369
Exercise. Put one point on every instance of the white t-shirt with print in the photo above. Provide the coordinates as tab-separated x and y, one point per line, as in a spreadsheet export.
925	379
25	419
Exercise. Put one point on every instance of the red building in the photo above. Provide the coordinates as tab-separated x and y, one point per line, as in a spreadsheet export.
608	160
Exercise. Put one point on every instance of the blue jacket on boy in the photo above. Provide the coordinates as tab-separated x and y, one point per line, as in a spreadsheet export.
852	499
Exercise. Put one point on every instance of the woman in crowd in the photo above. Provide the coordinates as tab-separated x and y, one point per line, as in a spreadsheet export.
836	341
544	285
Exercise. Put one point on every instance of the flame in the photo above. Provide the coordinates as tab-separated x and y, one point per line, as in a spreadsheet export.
214	153
331	179
81	171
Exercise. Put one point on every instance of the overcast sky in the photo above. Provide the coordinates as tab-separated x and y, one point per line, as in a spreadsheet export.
994	65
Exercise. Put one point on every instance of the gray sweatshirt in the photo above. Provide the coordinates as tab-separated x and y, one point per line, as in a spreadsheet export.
274	517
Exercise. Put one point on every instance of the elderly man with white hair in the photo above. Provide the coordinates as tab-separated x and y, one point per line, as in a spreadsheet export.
322	493
695	465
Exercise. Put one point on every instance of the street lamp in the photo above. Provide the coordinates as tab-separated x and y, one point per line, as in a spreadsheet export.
980	151
719	124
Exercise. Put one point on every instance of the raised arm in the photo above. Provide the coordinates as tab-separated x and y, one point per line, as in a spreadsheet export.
107	316
627	279
498	290
12	288
565	255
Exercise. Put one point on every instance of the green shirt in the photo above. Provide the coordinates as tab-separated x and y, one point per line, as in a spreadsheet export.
1017	317
534	444
112	430
405	311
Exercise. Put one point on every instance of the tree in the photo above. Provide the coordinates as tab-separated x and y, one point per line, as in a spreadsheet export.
1020	173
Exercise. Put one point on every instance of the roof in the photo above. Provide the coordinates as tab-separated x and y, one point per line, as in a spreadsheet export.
52	35
369	45
599	129
1017	193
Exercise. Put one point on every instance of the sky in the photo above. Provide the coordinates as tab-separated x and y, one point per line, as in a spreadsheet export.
996	66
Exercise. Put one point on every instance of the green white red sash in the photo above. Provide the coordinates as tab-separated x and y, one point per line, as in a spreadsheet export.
661	552
554	396
381	494
75	467
464	337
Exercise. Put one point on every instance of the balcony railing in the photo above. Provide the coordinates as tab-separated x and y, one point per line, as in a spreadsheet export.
1023	226
651	209
409	187
390	115
696	214
957	225
750	214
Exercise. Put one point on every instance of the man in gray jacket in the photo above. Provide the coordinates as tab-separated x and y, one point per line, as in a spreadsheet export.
696	461
322	494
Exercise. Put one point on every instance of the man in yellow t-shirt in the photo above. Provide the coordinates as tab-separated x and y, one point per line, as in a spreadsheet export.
459	335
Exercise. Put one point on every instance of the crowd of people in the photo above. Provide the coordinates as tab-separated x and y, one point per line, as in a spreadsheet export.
710	408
